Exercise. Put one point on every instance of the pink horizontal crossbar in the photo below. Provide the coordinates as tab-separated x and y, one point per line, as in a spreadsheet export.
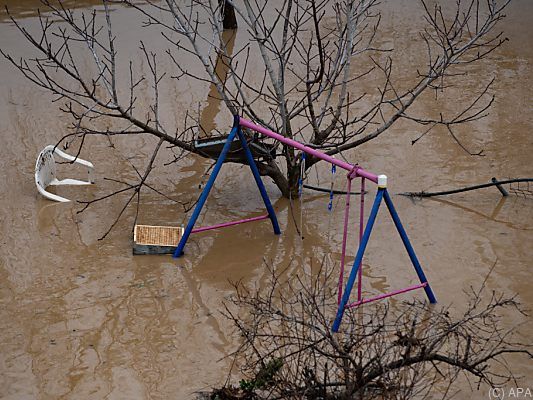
315	153
241	221
385	295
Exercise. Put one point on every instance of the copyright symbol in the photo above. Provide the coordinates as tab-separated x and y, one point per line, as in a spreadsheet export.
496	393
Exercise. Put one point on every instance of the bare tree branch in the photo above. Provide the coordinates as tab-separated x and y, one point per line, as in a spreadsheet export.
288	350
295	72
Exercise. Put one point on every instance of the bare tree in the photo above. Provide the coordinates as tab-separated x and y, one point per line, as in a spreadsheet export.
410	351
311	53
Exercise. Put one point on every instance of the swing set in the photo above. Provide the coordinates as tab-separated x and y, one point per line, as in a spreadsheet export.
354	171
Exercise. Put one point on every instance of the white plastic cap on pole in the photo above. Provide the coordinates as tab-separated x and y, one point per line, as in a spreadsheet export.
382	181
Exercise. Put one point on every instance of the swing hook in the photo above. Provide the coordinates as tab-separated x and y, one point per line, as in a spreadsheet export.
353	173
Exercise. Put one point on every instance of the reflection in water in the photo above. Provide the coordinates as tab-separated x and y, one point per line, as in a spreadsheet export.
211	110
524	225
30	8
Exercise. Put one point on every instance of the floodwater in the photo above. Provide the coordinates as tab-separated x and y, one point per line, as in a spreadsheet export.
84	319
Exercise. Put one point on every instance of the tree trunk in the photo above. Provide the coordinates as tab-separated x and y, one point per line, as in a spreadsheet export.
228	13
293	182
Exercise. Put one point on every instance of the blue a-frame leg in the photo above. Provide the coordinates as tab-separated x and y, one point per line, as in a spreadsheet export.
235	131
381	194
409	247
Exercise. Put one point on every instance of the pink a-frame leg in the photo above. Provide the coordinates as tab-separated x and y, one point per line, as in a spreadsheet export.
225	224
385	295
344	239
361	229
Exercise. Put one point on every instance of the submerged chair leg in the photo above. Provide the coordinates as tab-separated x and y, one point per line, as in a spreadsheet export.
74	182
51	196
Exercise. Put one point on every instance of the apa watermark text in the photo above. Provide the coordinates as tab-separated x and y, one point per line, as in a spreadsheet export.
510	393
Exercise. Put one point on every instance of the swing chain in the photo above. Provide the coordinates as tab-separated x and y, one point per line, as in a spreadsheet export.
333	172
301	178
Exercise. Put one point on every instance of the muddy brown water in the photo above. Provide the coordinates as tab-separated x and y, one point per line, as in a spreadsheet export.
84	319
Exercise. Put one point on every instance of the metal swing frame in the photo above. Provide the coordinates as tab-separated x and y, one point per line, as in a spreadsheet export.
354	171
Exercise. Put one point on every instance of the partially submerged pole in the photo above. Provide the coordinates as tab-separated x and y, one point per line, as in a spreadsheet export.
500	187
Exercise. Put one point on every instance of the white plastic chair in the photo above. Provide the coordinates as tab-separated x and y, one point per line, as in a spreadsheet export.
45	172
